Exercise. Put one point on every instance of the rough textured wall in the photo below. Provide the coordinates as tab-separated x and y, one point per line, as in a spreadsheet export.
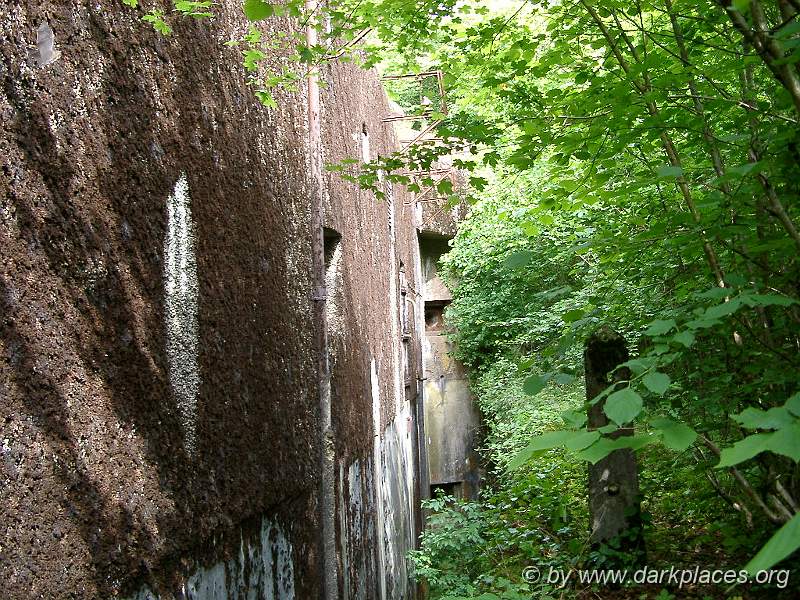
156	365
375	493
436	215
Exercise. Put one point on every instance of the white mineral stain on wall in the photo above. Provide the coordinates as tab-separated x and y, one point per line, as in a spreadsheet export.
398	528
180	308
376	456
263	570
365	153
356	525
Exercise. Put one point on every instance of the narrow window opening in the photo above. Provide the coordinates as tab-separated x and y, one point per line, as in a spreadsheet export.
364	143
331	243
404	318
434	316
452	489
333	285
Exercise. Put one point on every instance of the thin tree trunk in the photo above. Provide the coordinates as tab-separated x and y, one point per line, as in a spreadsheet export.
774	205
746	487
767	48
643	87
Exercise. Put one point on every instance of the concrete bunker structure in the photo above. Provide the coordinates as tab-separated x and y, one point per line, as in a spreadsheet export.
159	424
452	421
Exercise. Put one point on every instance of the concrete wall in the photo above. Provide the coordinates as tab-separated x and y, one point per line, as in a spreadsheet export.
157	386
451	419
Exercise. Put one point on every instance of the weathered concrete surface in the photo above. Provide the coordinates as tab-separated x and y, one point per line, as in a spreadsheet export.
377	237
398	525
452	421
436	216
147	442
262	568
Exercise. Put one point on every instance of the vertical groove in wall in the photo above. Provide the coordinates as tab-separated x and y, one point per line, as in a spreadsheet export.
327	501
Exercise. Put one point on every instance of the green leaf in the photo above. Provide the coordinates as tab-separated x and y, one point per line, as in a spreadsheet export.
716	293
634	442
623	405
721	310
733	280
786	441
197	9
685	338
785	541
266	99
745	169
256	10
582	439
741	5
156	18
744	449
787	30
563	378
601	395
305	54
605	446
131	3
572	315
515	260
576	418
677	436
637	365
534	384
253	34
702	323
793	404
548	440
754	418
445	186
767	300
251	58
669	171
479	183
659	327
656	382
597	451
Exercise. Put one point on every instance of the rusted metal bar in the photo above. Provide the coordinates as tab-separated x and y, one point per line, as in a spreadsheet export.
407	117
349	44
425	140
410	75
429	172
421	134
